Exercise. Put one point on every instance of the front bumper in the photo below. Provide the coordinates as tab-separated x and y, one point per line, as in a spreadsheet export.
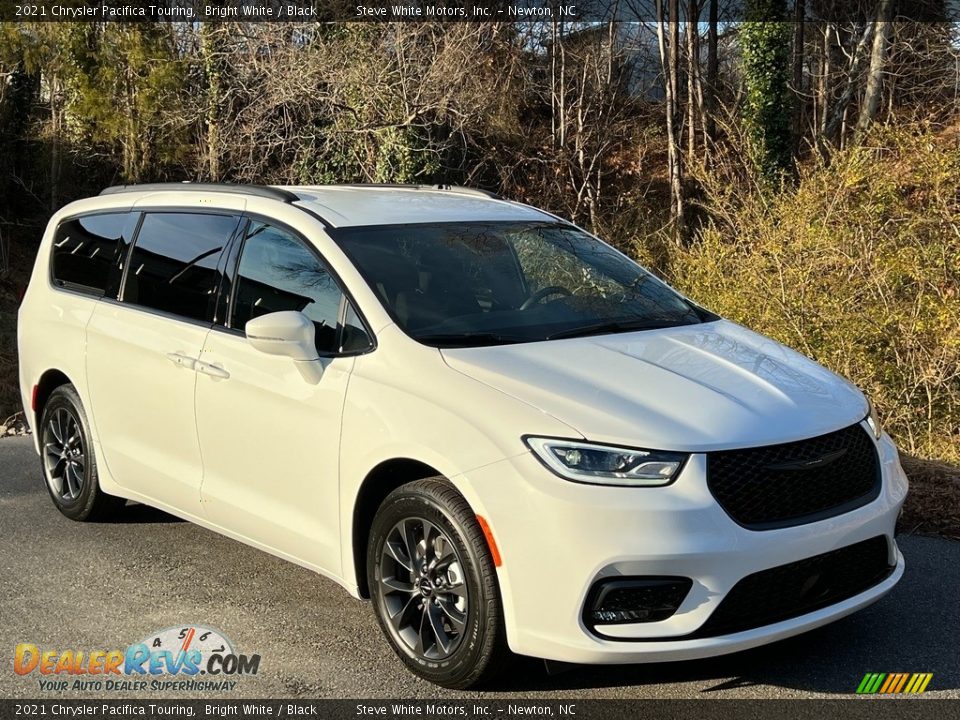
557	538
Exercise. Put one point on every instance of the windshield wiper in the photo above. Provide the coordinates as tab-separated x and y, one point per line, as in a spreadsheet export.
611	326
470	339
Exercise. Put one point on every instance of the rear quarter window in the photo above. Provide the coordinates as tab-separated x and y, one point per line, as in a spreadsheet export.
85	250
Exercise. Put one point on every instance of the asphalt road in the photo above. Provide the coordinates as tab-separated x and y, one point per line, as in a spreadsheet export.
103	586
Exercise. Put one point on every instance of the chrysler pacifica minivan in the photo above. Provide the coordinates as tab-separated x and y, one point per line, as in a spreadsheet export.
503	432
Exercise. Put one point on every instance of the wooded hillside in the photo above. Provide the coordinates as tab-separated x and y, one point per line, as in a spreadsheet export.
800	177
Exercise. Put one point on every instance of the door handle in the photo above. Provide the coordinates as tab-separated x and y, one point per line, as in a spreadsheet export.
178	358
212	370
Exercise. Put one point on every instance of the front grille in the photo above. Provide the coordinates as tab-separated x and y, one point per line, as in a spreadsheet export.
781	485
798	588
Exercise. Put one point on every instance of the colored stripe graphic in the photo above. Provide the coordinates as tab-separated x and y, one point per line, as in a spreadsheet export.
890	682
893	683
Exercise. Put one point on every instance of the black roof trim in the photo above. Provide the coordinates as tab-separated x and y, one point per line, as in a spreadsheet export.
314	214
258	190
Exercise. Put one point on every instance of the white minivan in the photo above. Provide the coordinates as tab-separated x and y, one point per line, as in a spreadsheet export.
505	433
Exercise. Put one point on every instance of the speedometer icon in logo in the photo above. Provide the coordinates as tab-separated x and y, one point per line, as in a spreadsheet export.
186	638
189	650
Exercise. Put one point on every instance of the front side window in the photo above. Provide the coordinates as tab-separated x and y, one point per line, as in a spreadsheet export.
85	251
460	284
277	272
173	266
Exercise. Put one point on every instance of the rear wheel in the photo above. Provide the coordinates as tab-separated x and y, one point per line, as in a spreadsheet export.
434	587
69	465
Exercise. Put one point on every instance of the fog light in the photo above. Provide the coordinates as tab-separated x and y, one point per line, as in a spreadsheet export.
634	600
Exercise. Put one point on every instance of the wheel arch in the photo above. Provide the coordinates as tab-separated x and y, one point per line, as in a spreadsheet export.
49	381
383	479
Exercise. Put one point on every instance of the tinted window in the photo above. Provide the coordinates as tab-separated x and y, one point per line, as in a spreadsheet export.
277	273
454	284
85	250
174	261
355	337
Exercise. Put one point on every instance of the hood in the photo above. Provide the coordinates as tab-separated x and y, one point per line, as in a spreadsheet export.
693	388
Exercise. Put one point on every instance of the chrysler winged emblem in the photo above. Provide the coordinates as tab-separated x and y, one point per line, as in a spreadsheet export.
819	462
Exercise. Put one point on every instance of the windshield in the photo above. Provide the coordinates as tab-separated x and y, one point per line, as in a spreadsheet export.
463	284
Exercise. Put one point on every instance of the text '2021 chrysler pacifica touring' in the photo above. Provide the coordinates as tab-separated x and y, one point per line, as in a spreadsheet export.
506	434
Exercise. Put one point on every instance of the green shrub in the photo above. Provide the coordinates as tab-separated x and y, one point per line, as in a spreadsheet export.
858	267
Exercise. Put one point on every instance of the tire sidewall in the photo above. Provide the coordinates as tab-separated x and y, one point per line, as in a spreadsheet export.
474	647
66	396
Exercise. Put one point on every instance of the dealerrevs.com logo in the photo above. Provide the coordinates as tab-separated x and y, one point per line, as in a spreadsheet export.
187	658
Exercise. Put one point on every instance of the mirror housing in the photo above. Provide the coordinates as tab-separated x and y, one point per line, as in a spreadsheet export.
289	333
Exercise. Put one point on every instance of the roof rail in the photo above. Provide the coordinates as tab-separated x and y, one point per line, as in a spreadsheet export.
470	191
264	191
446	188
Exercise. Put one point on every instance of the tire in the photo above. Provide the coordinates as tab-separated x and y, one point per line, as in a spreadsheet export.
68	462
460	586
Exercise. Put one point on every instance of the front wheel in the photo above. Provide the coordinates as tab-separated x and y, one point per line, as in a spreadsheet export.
434	586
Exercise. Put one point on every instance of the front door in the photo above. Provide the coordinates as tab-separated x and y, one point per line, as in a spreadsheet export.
270	438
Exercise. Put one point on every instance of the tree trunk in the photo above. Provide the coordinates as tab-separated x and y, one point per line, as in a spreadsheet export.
878	61
839	115
131	137
562	92
823	82
693	75
56	130
554	38
675	58
668	61
211	66
798	57
713	72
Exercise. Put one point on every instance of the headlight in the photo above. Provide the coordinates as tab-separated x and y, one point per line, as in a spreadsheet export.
873	420
607	465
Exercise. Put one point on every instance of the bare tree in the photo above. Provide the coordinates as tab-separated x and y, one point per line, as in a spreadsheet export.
669	59
713	73
798	62
694	86
838	116
878	61
212	54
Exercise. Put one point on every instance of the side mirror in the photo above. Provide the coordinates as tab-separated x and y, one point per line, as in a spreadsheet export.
288	333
